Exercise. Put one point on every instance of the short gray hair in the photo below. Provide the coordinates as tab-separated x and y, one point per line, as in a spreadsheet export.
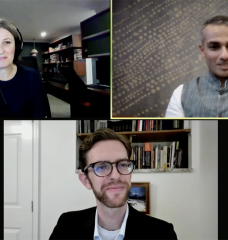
217	20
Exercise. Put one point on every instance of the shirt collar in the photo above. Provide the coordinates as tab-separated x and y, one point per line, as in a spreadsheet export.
122	229
214	81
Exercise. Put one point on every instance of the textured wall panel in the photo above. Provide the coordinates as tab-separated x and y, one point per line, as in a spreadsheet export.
155	49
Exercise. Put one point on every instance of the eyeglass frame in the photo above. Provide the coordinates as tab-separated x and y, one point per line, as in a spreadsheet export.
116	163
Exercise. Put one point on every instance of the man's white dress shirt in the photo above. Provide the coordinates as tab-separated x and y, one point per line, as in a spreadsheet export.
103	234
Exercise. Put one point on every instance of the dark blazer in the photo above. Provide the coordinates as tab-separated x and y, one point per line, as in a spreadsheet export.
80	225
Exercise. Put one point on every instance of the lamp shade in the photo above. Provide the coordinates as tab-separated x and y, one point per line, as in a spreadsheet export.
34	51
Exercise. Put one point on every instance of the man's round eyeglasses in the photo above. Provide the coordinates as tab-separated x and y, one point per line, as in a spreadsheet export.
104	168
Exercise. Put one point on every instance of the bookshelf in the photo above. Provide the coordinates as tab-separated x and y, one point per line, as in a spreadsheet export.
66	51
96	35
163	137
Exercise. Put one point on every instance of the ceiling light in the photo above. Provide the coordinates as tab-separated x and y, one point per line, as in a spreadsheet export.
43	34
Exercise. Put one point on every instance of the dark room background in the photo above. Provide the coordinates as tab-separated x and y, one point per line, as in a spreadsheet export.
155	49
27	48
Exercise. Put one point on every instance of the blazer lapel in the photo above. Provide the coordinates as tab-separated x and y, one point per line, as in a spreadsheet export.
89	225
132	230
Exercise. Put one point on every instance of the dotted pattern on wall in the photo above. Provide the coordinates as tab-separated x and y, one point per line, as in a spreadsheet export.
155	49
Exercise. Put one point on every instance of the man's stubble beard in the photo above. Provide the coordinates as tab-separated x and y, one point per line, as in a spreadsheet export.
103	197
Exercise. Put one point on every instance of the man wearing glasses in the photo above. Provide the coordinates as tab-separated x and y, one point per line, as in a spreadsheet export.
106	169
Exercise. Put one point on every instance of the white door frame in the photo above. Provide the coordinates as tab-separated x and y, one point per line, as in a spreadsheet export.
36	180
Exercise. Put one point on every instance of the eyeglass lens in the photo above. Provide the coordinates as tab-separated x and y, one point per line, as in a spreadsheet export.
104	168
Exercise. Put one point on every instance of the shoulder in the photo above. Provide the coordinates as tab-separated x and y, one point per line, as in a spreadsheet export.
145	219
161	228
174	108
28	76
27	73
82	214
148	220
26	70
178	90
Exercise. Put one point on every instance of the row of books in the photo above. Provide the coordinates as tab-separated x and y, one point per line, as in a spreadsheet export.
160	157
77	54
155	125
89	126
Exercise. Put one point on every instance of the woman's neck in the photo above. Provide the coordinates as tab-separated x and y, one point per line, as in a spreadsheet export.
8	73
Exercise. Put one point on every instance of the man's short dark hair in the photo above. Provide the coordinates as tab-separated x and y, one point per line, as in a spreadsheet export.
217	20
97	136
9	26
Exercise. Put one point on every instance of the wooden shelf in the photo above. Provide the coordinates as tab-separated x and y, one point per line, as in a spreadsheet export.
58	86
96	35
99	55
61	50
144	136
56	63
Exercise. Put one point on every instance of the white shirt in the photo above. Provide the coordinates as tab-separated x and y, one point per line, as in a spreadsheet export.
175	108
103	234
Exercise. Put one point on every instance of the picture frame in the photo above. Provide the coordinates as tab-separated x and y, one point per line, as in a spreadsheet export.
139	196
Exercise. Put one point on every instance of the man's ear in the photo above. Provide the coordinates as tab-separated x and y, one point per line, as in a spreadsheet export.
202	51
84	179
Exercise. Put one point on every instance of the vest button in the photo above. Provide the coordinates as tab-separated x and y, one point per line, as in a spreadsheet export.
221	92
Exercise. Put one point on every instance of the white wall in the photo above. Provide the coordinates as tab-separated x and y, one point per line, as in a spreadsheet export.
188	200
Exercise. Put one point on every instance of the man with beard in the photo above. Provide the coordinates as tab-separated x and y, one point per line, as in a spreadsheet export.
106	169
206	96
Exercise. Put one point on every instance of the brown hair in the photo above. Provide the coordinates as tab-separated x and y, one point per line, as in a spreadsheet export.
9	26
217	20
101	135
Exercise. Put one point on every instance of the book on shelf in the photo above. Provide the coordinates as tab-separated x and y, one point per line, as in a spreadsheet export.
88	126
136	156
179	158
138	125
92	126
133	125
148	152
172	157
161	158
142	162
139	157
164	161
160	155
156	157
176	155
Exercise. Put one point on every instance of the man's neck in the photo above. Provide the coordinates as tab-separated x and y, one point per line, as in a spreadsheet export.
110	218
8	73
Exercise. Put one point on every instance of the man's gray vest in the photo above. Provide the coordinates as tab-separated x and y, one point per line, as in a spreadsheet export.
204	97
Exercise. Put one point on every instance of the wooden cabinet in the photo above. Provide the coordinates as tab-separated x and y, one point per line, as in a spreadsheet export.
162	137
96	44
96	35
